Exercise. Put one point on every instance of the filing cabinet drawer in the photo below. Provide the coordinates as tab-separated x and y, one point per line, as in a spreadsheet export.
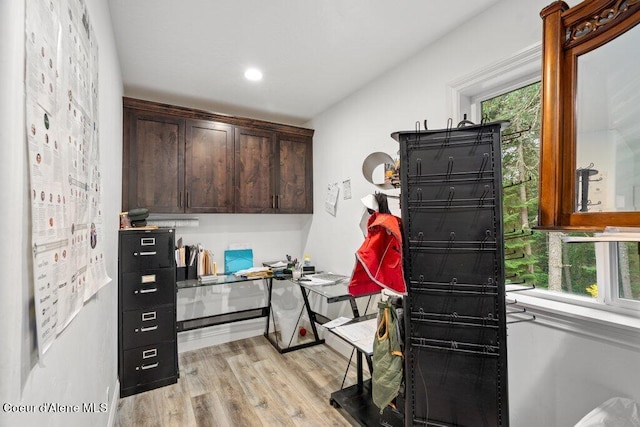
144	251
146	289
148	326
150	363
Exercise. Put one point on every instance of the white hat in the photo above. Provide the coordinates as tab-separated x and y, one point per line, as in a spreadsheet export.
370	202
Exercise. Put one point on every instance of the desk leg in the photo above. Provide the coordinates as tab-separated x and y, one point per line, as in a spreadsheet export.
269	291
312	317
359	370
354	307
310	313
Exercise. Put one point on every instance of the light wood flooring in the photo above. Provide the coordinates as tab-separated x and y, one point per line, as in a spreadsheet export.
245	383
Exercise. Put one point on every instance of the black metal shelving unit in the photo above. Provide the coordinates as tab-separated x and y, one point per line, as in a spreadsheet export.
455	325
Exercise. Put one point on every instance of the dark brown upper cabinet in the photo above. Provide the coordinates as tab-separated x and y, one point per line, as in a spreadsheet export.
274	172
153	162
590	140
294	176
255	168
208	167
180	160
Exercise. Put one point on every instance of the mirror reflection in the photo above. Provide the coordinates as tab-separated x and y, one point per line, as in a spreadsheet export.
608	127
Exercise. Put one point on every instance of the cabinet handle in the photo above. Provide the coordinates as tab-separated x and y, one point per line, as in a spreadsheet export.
277	201
145	253
149	328
151	315
145	367
148	241
149	353
147	291
180	199
188	201
273	201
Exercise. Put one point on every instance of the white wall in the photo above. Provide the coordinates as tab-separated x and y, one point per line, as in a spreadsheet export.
556	376
559	371
81	365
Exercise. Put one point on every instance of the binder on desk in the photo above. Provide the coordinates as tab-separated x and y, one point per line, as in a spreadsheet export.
237	259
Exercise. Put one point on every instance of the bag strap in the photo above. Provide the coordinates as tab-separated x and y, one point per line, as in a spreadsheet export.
384	323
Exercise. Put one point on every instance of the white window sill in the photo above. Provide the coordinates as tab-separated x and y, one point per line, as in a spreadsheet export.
594	321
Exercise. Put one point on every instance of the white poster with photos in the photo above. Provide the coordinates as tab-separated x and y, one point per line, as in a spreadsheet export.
65	182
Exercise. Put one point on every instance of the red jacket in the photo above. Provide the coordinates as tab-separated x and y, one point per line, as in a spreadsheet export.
379	259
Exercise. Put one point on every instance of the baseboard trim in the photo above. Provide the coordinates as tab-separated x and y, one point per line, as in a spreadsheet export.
113	408
219	334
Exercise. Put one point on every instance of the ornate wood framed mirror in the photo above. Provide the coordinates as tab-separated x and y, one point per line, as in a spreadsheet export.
590	136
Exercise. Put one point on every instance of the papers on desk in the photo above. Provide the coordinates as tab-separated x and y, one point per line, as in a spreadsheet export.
322	279
360	334
310	280
276	265
336	322
210	278
254	272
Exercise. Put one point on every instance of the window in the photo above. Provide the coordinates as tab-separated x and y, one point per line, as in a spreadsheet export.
626	255
568	266
621	268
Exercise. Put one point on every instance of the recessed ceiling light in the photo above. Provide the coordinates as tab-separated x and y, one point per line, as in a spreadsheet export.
253	74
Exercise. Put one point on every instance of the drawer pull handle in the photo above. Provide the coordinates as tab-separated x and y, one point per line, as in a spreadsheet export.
149	328
151	253
148	241
153	365
150	315
147	291
149	353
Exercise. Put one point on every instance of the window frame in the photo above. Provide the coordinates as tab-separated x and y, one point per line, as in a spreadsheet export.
465	97
612	294
607	273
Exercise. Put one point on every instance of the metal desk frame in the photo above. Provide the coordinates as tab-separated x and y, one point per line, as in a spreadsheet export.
334	292
229	317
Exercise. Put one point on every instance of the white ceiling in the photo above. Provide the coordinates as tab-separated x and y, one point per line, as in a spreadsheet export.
313	53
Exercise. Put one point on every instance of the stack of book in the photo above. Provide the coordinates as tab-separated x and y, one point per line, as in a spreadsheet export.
254	272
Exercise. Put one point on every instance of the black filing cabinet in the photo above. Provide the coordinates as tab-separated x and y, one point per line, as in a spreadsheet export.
147	343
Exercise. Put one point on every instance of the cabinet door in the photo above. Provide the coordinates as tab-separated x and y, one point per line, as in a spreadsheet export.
153	161
254	171
209	167
295	175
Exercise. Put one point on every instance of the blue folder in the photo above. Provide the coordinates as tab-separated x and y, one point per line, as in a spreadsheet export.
237	259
